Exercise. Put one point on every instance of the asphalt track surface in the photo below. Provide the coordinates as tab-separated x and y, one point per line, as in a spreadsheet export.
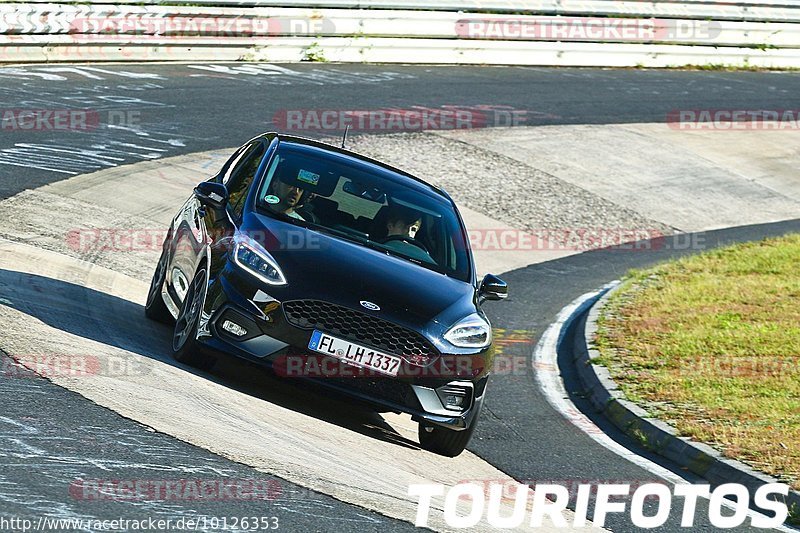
55	445
187	108
183	110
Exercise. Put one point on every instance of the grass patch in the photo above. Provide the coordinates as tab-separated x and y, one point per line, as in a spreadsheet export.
737	68
711	345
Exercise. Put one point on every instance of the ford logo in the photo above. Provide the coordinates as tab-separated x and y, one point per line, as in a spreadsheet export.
369	305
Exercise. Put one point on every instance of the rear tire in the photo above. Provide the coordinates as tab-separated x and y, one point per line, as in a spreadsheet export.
185	348
447	442
155	308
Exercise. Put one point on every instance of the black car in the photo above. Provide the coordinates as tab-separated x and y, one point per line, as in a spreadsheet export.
329	266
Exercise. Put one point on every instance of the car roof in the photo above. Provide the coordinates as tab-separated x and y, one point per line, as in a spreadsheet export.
384	170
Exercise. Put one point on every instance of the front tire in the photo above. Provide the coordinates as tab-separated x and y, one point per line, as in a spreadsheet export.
185	348
155	308
447	442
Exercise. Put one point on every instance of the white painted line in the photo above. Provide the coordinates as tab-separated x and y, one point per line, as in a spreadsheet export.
548	377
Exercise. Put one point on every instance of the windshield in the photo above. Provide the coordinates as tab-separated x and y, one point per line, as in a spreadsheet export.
353	201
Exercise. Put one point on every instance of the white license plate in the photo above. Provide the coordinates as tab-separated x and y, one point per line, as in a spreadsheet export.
354	354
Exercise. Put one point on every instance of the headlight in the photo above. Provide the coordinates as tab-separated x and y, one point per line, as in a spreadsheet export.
250	256
471	332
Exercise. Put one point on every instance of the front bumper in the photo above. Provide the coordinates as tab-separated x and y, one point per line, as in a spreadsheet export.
267	338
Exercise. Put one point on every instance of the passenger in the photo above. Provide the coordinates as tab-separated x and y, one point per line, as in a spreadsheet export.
290	198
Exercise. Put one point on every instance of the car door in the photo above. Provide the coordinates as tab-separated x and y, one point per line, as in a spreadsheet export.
195	227
220	224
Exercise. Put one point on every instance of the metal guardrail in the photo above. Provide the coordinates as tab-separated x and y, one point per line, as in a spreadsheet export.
96	32
86	24
752	10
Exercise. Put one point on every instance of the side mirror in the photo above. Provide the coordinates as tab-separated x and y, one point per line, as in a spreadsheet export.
212	194
493	288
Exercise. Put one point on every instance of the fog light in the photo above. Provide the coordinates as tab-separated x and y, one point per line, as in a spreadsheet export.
233	328
453	398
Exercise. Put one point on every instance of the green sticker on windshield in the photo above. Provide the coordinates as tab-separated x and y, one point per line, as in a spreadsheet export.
272	199
307	176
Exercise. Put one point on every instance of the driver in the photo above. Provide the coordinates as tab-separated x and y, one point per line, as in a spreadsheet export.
403	222
402	225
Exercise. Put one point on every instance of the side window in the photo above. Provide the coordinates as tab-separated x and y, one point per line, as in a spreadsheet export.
240	175
230	165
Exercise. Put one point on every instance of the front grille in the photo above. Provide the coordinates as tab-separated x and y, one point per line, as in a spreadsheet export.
387	389
360	327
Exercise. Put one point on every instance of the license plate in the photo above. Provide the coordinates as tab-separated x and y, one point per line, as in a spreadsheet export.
354	354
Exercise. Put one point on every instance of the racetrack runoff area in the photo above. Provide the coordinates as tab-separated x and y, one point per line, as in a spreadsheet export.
633	177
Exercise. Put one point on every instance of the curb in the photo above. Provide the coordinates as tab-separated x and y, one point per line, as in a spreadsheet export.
661	438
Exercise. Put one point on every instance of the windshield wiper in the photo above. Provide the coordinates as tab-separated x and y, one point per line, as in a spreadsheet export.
281	216
430	265
339	233
372	245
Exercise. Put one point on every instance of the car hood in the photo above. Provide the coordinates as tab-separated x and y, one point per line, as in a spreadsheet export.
321	267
